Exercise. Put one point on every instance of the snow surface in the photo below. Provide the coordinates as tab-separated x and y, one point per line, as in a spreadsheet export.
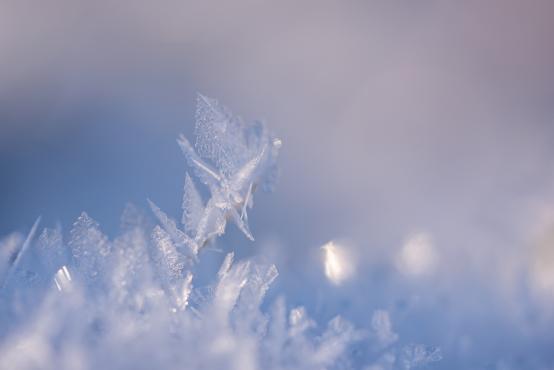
91	302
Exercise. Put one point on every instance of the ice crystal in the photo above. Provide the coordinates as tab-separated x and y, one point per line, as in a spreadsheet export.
244	156
222	137
51	250
90	248
192	207
131	302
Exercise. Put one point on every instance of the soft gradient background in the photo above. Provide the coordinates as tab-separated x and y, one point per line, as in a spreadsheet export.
420	122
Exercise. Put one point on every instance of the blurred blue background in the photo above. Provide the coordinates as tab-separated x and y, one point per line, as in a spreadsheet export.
398	118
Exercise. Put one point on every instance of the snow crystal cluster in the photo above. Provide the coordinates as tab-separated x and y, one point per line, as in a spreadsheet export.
87	302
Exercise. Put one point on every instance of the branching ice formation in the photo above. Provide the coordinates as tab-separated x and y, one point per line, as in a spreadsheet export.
130	303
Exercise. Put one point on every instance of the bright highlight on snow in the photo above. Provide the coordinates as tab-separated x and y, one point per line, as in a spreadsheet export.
62	279
338	264
417	256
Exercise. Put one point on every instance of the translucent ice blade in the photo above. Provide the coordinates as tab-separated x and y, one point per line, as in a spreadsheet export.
22	252
90	248
212	121
228	288
181	292
260	278
241	224
9	248
169	261
226	264
51	250
211	224
220	137
192	205
247	202
182	240
208	175
246	172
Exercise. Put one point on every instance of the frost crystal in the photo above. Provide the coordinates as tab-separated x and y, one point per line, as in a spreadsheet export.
192	207
221	137
89	247
51	250
131	302
244	157
182	241
170	263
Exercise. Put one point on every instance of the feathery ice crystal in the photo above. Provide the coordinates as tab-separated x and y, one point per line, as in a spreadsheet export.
94	303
